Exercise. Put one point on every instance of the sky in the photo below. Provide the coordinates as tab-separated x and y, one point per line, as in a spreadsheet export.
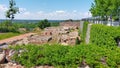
49	9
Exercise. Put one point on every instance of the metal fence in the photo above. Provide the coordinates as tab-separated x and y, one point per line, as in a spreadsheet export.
108	23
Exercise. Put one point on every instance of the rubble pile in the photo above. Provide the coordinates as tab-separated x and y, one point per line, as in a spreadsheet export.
37	39
5	59
11	65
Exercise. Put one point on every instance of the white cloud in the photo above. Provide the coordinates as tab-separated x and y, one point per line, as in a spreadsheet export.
27	13
86	14
74	11
22	9
3	8
60	11
58	14
40	12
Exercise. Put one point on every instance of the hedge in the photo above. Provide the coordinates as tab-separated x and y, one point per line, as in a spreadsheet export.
68	57
104	35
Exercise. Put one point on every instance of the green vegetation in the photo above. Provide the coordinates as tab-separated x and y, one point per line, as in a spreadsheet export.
77	41
43	24
104	35
105	8
29	26
102	51
83	34
68	57
54	24
7	35
5	27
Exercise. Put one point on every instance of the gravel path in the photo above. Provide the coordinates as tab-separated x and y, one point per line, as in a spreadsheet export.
16	38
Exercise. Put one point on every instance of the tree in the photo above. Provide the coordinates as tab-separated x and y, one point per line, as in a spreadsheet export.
12	10
69	20
43	24
105	8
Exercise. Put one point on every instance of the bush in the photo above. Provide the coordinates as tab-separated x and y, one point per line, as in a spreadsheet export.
6	26
37	29
104	35
68	57
43	24
26	25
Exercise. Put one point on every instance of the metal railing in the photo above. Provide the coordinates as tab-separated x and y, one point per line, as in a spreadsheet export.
108	23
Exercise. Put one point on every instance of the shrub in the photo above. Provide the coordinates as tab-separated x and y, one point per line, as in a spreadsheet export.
43	24
104	35
6	26
68	57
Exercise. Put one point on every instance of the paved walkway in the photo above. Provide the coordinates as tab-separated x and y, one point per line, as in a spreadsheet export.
87	39
12	39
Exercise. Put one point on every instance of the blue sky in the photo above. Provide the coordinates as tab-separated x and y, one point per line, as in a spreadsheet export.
49	9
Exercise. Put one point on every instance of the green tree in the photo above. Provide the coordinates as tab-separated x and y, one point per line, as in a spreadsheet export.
43	24
12	10
105	8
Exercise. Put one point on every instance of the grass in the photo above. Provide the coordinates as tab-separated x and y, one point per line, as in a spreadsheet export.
7	35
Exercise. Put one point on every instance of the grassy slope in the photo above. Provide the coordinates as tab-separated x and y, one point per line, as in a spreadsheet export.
7	35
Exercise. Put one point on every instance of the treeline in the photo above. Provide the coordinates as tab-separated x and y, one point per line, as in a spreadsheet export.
105	9
7	26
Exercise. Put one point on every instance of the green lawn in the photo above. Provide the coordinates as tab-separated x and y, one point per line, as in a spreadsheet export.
8	35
